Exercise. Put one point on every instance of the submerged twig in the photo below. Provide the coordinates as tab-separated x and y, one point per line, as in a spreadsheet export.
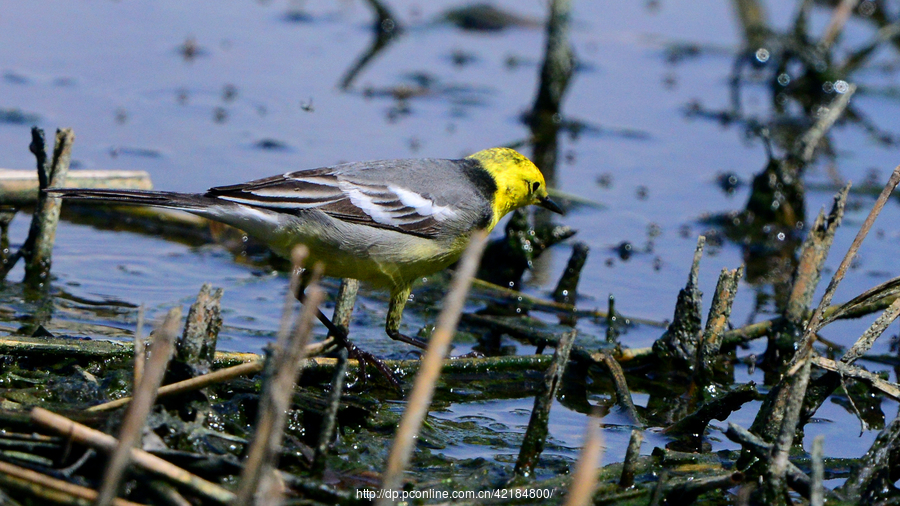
623	394
796	479
419	399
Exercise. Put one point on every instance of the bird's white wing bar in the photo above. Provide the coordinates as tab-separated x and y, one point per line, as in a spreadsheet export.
345	198
422	205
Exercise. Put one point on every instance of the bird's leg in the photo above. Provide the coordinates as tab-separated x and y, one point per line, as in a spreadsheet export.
341	336
395	313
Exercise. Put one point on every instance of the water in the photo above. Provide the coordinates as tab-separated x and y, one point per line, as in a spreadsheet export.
201	96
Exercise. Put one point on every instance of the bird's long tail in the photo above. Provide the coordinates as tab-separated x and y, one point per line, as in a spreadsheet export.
185	201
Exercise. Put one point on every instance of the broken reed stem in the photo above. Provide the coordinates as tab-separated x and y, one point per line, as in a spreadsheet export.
813	325
42	233
886	387
631	456
775	472
197	345
343	308
161	350
623	394
536	434
817	492
813	253
811	138
43	486
262	456
419	399
867	339
717	320
329	418
839	18
95	439
584	480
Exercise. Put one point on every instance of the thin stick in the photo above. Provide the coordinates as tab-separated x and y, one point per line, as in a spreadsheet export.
44	481
584	481
888	388
189	385
161	350
262	456
623	393
423	389
813	326
838	19
631	456
814	135
329	418
96	439
817	493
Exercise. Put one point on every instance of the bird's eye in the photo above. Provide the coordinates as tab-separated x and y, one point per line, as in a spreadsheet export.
534	186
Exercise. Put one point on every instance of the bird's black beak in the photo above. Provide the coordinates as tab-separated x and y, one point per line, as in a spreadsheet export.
549	205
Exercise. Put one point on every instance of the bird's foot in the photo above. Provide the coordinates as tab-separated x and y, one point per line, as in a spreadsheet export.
365	358
403	338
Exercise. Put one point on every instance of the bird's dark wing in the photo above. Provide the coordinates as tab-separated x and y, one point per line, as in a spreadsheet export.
343	196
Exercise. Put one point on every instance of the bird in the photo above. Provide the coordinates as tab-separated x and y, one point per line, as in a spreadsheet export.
383	222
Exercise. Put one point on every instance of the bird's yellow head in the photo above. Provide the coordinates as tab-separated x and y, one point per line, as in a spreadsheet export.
519	182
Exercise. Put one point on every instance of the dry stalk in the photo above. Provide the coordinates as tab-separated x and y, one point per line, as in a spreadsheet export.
423	389
161	350
38	483
839	18
817	494
886	387
262	456
584	480
813	325
149	462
